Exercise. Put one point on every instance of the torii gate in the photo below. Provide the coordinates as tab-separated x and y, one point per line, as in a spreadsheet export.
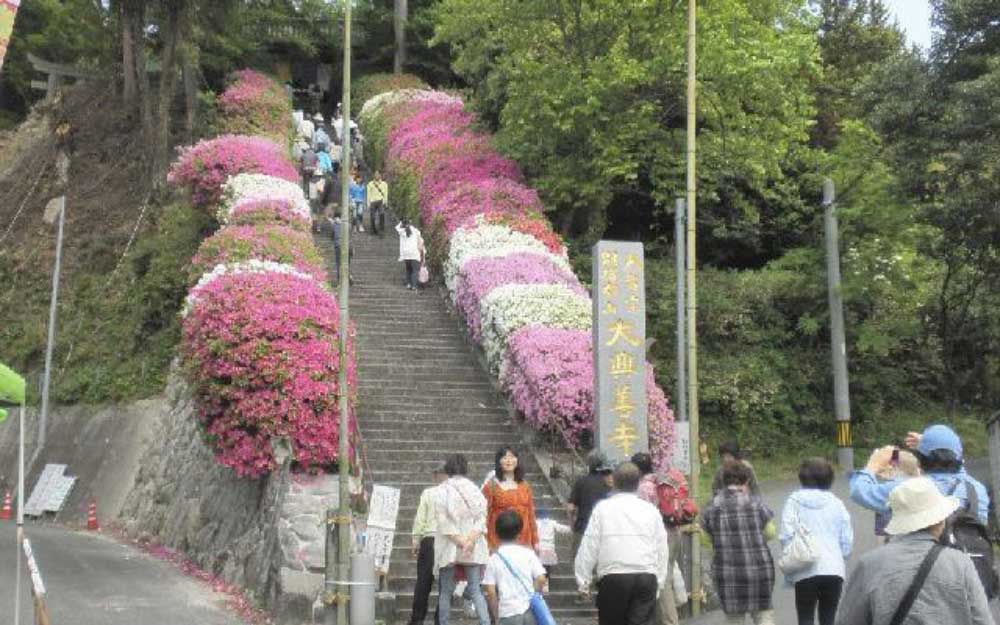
55	74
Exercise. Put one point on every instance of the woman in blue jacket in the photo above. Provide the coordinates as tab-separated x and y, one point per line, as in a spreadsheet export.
357	195
823	515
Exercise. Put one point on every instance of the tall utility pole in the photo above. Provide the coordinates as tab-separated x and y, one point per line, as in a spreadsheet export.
343	519
680	250
399	25
692	298
838	344
50	342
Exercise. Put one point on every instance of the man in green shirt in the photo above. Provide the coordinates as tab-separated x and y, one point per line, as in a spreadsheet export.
424	528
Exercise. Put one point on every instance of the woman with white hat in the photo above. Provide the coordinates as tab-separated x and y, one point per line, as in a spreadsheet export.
914	579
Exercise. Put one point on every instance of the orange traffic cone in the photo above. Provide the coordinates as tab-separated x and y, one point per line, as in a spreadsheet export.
5	512
92	516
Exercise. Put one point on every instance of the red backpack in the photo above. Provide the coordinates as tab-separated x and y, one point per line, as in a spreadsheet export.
673	500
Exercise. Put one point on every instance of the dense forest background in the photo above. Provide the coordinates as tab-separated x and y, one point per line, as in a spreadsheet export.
588	96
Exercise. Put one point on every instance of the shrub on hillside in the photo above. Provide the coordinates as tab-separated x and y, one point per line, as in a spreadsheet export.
276	243
254	104
204	167
375	84
280	211
261	353
467	199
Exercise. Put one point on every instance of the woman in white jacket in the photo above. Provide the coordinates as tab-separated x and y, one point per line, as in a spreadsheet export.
411	250
460	541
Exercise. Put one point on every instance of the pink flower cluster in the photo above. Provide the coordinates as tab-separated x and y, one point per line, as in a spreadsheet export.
205	166
261	334
269	211
490	227
276	243
254	104
549	374
262	350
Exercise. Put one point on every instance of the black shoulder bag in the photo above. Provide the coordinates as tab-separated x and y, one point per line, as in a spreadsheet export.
918	582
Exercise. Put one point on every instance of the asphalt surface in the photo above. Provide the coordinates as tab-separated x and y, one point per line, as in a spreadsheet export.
92	579
863	520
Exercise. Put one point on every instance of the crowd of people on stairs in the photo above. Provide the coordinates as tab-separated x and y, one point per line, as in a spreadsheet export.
319	156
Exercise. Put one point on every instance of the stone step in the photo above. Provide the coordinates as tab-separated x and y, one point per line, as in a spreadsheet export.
467	436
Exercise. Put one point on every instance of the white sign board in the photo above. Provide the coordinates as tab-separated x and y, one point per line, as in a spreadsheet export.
36	575
384	507
380	546
50	492
680	457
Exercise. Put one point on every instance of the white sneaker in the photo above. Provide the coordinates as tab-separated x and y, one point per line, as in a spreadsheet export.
469	608
361	228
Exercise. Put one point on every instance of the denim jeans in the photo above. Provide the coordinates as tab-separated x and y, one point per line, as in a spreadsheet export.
446	587
412	269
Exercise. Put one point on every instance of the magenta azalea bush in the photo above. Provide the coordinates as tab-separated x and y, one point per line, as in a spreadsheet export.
506	269
283	211
206	166
549	374
276	243
254	104
262	354
261	331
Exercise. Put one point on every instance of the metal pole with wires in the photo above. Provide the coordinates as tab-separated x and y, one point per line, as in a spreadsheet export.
337	588
838	344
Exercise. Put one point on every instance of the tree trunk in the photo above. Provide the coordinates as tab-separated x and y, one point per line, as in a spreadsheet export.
189	71
134	14
128	57
399	23
172	34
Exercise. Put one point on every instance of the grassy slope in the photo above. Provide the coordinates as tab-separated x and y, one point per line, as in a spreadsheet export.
118	324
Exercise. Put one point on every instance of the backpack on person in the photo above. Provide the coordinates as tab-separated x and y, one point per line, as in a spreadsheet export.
965	532
674	502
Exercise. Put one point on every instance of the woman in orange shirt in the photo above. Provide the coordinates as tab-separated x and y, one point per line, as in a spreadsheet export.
507	490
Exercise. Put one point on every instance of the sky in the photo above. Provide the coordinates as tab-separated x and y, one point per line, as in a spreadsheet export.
914	18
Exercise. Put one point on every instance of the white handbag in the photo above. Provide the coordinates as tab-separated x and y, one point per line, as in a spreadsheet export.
801	552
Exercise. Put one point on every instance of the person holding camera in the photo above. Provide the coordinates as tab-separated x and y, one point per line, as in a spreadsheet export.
939	452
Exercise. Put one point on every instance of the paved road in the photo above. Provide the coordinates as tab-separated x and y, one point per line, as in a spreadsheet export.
775	494
94	580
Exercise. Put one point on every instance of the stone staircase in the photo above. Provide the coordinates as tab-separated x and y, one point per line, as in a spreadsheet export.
422	396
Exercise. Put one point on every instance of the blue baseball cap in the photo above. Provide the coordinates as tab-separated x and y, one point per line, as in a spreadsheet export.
940	437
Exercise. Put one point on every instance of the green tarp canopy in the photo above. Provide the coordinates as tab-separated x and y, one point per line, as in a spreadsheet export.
11	388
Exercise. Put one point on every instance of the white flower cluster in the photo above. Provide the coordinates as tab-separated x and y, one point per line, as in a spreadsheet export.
230	269
373	106
511	307
242	187
491	240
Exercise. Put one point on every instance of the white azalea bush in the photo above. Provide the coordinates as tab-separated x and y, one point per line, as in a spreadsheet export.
243	187
229	269
493	240
513	306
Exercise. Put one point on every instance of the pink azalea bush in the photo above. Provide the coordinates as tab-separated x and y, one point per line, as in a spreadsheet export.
261	350
506	269
206	166
254	104
478	277
276	243
258	211
468	199
549	374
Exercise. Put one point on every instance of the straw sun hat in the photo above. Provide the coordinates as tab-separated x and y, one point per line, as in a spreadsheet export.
917	504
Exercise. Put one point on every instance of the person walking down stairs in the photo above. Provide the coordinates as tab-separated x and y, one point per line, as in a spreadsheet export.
378	199
424	528
411	251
